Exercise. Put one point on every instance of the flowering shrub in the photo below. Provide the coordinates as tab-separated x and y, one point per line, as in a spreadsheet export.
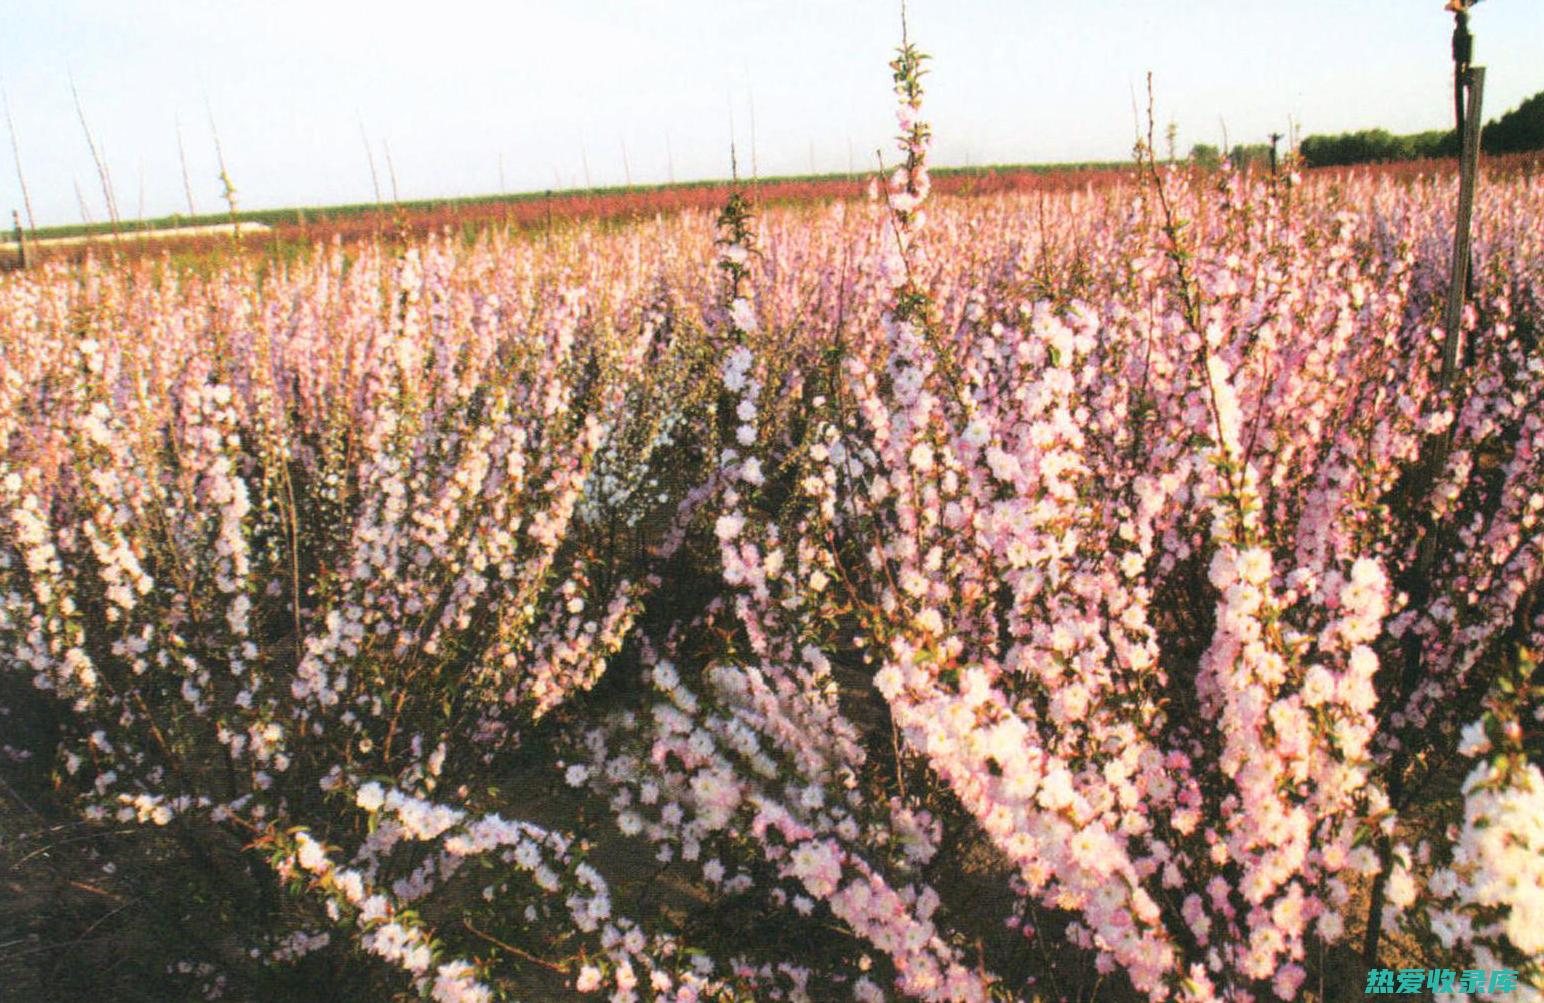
1485	889
1122	553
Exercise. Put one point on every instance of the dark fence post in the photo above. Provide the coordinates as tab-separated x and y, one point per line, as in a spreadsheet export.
1463	54
21	240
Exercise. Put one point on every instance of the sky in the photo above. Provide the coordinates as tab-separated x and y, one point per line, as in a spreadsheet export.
467	98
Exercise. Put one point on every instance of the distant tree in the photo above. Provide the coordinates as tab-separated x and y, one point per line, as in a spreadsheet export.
1436	143
1374	145
1256	155
1205	155
1519	130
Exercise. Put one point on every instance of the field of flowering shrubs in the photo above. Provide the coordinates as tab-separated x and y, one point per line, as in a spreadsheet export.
1088	596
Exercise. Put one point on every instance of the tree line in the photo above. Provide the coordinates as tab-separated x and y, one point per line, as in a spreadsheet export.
1519	130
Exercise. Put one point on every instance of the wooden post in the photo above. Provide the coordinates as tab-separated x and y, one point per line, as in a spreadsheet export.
1469	163
1467	81
1275	138
1463	54
21	241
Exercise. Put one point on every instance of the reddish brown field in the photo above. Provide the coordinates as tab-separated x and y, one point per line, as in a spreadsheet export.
557	208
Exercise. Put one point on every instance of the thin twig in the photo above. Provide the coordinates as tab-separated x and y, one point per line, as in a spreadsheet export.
18	798
21	177
512	949
96	157
182	157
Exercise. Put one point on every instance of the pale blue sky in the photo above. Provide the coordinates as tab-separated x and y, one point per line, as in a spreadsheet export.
453	85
